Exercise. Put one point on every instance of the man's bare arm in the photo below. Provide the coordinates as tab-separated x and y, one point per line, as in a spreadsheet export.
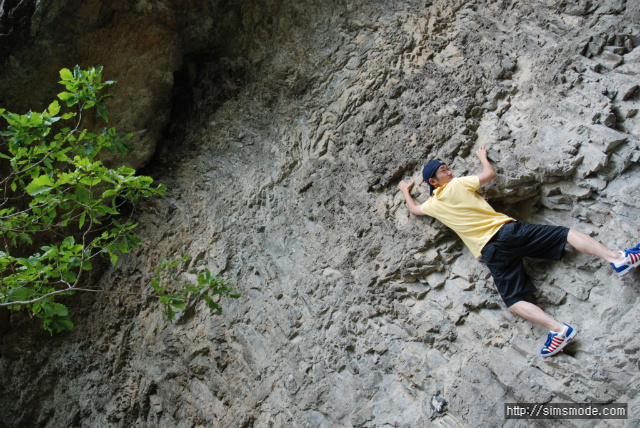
405	187
487	173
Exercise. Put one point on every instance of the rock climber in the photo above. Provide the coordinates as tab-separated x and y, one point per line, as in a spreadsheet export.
503	242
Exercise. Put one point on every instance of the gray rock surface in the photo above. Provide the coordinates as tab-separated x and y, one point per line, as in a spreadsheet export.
140	43
282	170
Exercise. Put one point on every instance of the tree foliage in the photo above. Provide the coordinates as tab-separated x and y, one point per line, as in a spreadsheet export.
207	288
55	190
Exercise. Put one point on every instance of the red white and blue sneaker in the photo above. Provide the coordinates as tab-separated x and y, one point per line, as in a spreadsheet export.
631	260
556	341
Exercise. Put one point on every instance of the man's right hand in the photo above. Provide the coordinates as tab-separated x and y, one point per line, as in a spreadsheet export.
405	186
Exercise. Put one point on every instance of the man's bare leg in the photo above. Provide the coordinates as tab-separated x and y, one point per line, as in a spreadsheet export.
588	245
533	313
555	342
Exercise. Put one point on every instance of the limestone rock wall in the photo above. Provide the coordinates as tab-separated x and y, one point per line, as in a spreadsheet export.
140	43
296	121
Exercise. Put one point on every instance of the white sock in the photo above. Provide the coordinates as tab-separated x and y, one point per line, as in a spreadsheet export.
623	262
562	332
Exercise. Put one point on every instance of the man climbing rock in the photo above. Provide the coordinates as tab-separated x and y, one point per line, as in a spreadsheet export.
503	242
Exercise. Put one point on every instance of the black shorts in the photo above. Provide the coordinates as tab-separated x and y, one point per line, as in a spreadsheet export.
504	254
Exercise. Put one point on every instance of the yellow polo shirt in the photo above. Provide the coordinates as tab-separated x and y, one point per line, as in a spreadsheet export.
459	207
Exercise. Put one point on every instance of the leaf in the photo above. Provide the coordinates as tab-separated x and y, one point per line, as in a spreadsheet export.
177	303
68	98
63	325
74	262
39	185
65	74
69	277
54	108
103	111
56	325
109	193
156	286
25	238
90	181
83	195
55	309
83	216
87	265
19	294
14	186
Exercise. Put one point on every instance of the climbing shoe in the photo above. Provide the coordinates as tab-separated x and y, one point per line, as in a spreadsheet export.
556	341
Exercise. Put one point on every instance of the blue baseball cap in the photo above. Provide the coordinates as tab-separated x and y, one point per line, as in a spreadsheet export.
429	171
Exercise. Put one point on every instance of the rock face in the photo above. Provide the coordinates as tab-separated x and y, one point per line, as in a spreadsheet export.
140	44
292	124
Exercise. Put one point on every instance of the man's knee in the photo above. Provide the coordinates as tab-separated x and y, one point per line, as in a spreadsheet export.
514	308
521	307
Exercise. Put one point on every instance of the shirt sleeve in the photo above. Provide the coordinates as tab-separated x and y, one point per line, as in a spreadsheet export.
471	183
425	208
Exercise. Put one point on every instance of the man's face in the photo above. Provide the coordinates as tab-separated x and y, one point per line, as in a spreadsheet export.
443	176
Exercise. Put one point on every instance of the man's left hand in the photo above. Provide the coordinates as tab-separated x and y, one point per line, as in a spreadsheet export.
482	153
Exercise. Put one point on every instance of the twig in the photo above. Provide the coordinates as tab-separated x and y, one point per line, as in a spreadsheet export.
29	302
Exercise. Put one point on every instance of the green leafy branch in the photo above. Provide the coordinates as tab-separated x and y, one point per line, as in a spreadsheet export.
60	205
208	288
